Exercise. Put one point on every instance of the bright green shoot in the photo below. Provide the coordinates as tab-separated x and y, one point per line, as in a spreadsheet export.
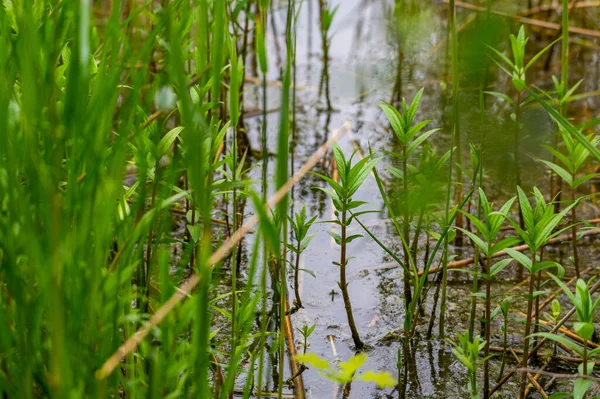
351	178
404	126
540	224
410	137
517	67
466	350
489	246
490	228
346	373
571	163
585	307
300	226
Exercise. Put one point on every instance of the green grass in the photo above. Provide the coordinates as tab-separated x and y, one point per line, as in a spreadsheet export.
125	165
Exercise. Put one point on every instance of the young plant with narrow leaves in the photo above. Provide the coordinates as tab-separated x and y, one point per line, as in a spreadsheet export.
488	229
574	156
540	224
585	308
410	137
351	178
466	350
300	226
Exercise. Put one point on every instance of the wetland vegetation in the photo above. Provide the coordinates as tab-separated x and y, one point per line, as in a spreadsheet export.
299	199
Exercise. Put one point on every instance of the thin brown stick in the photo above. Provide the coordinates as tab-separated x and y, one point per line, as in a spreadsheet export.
556	375
530	377
529	21
537	376
541	342
520	248
186	288
295	368
557	7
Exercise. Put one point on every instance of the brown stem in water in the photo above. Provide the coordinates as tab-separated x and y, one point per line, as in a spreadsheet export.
344	288
527	327
488	320
298	303
574	231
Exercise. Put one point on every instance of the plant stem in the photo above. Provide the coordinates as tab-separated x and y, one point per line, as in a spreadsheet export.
504	344
406	229
574	230
488	320
298	303
517	141
527	327
344	288
454	141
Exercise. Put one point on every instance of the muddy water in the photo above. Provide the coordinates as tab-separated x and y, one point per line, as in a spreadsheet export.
374	57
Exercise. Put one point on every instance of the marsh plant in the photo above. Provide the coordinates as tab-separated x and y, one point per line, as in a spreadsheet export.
346	372
466	350
568	166
516	69
540	224
300	226
585	307
346	209
132	237
411	137
488	242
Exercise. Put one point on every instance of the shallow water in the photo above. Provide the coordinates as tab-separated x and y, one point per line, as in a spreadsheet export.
372	56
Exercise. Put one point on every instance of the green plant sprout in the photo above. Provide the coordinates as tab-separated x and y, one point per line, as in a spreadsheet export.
516	69
466	350
411	137
300	226
351	178
540	224
489	245
347	370
570	163
584	327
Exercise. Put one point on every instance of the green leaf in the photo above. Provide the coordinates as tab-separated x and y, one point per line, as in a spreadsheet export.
478	241
580	387
194	232
418	141
526	210
340	160
383	380
519	257
559	395
395	119
579	181
352	238
167	140
499	266
336	237
584	329
546	265
561	339
538	55
313	360
566	176
308	271
501	96
503	244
